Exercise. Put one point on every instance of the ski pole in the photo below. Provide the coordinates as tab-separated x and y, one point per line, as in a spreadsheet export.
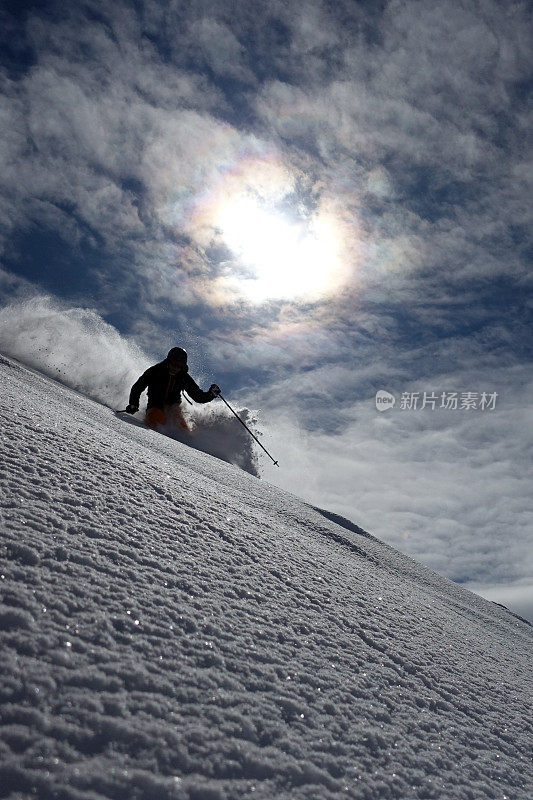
247	428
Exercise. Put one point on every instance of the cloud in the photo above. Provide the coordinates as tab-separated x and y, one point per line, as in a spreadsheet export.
447	487
518	597
443	126
220	48
117	132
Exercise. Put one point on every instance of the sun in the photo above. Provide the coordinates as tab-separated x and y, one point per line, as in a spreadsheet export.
275	258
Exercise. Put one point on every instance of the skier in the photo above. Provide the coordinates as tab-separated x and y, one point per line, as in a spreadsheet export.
165	383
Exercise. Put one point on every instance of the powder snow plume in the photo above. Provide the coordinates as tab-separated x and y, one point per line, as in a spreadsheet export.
76	347
215	431
72	345
220	434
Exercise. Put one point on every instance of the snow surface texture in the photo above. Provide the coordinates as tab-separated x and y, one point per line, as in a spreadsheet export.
172	627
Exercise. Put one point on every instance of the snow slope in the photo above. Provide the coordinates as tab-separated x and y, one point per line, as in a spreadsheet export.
172	627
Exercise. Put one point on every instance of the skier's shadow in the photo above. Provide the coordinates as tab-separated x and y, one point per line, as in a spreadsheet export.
129	419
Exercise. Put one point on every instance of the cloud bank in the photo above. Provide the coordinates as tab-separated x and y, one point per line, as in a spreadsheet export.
448	487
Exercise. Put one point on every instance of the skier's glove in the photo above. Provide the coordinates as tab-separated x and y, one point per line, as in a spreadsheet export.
214	389
131	409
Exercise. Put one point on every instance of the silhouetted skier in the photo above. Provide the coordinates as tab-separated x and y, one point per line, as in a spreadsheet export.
165	383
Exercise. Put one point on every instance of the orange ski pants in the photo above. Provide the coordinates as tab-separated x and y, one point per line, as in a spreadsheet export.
160	416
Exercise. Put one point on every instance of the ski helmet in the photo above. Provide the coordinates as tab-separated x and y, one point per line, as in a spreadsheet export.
177	354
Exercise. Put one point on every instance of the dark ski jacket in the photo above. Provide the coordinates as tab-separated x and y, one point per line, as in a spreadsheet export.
165	389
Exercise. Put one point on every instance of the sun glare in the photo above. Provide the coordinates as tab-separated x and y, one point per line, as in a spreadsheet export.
277	259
